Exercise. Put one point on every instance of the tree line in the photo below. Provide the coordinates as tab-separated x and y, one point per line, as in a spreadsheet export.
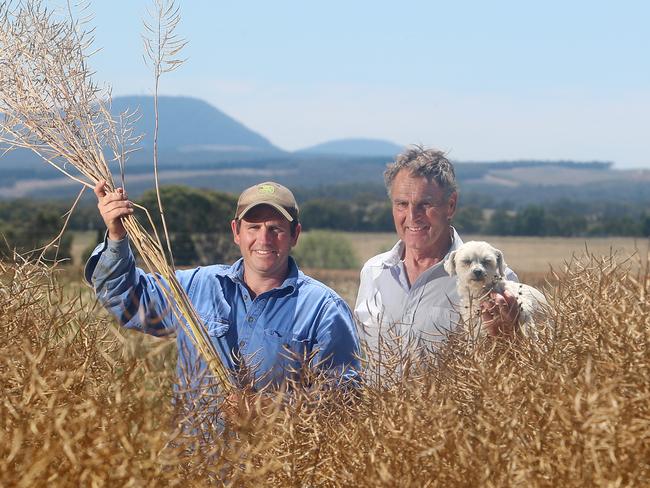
560	218
199	220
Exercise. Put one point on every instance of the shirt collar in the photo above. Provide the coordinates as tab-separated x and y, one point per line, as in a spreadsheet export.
394	256
236	274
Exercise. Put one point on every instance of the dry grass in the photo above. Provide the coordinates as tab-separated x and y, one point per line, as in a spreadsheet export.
84	405
523	254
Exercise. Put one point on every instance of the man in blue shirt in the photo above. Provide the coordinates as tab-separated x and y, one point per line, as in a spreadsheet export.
262	313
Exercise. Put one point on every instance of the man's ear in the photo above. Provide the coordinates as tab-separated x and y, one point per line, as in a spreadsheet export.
450	264
235	232
296	234
451	205
501	263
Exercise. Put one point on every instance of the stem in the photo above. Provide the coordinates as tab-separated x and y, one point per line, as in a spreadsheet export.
161	210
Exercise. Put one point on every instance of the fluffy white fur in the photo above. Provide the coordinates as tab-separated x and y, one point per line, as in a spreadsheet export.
480	269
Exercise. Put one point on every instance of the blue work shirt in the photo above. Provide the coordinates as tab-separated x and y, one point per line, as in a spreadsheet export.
271	331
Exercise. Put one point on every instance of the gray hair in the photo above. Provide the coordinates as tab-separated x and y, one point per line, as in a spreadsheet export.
430	163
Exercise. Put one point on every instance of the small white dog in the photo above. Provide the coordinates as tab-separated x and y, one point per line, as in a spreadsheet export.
481	269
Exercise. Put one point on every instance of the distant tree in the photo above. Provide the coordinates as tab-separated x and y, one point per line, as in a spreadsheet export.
531	221
559	224
192	215
31	231
184	249
621	226
645	224
215	248
468	219
85	216
328	214
501	223
192	210
322	249
376	217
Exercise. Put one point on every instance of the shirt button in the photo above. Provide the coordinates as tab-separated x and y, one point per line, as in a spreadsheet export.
250	320
242	343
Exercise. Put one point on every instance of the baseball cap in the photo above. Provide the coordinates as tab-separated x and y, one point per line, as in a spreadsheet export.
268	193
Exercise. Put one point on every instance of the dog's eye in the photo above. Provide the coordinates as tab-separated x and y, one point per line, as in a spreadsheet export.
485	262
467	262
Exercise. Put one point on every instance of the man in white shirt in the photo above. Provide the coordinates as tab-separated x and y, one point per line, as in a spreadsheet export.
406	291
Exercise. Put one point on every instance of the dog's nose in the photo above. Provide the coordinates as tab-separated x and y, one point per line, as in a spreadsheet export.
478	273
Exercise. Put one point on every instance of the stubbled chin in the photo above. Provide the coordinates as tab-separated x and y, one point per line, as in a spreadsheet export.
417	241
268	258
264	258
417	235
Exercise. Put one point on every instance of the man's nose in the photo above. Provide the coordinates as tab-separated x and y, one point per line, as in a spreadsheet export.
265	235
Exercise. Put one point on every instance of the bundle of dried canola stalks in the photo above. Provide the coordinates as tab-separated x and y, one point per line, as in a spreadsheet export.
51	106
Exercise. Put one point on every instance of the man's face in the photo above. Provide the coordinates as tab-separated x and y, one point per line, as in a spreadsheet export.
264	239
421	212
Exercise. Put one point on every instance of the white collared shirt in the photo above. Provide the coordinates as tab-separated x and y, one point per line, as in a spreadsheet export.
425	311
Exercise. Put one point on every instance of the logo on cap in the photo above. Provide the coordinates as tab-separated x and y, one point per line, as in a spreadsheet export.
268	189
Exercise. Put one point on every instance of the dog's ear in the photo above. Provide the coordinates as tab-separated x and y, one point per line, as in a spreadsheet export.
450	264
501	263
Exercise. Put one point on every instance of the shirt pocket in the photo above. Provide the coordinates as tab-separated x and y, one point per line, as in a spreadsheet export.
292	348
216	325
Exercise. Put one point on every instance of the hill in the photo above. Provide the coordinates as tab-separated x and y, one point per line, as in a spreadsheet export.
201	146
190	125
190	131
344	177
354	147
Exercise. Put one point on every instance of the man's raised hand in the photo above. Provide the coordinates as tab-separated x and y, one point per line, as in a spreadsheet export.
112	207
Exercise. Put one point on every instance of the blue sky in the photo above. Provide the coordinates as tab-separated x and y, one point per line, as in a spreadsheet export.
482	80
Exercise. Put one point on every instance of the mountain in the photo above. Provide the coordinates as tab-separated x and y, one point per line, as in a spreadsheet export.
189	125
191	132
354	147
201	146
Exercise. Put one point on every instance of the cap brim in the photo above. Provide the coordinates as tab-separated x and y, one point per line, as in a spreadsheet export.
279	208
